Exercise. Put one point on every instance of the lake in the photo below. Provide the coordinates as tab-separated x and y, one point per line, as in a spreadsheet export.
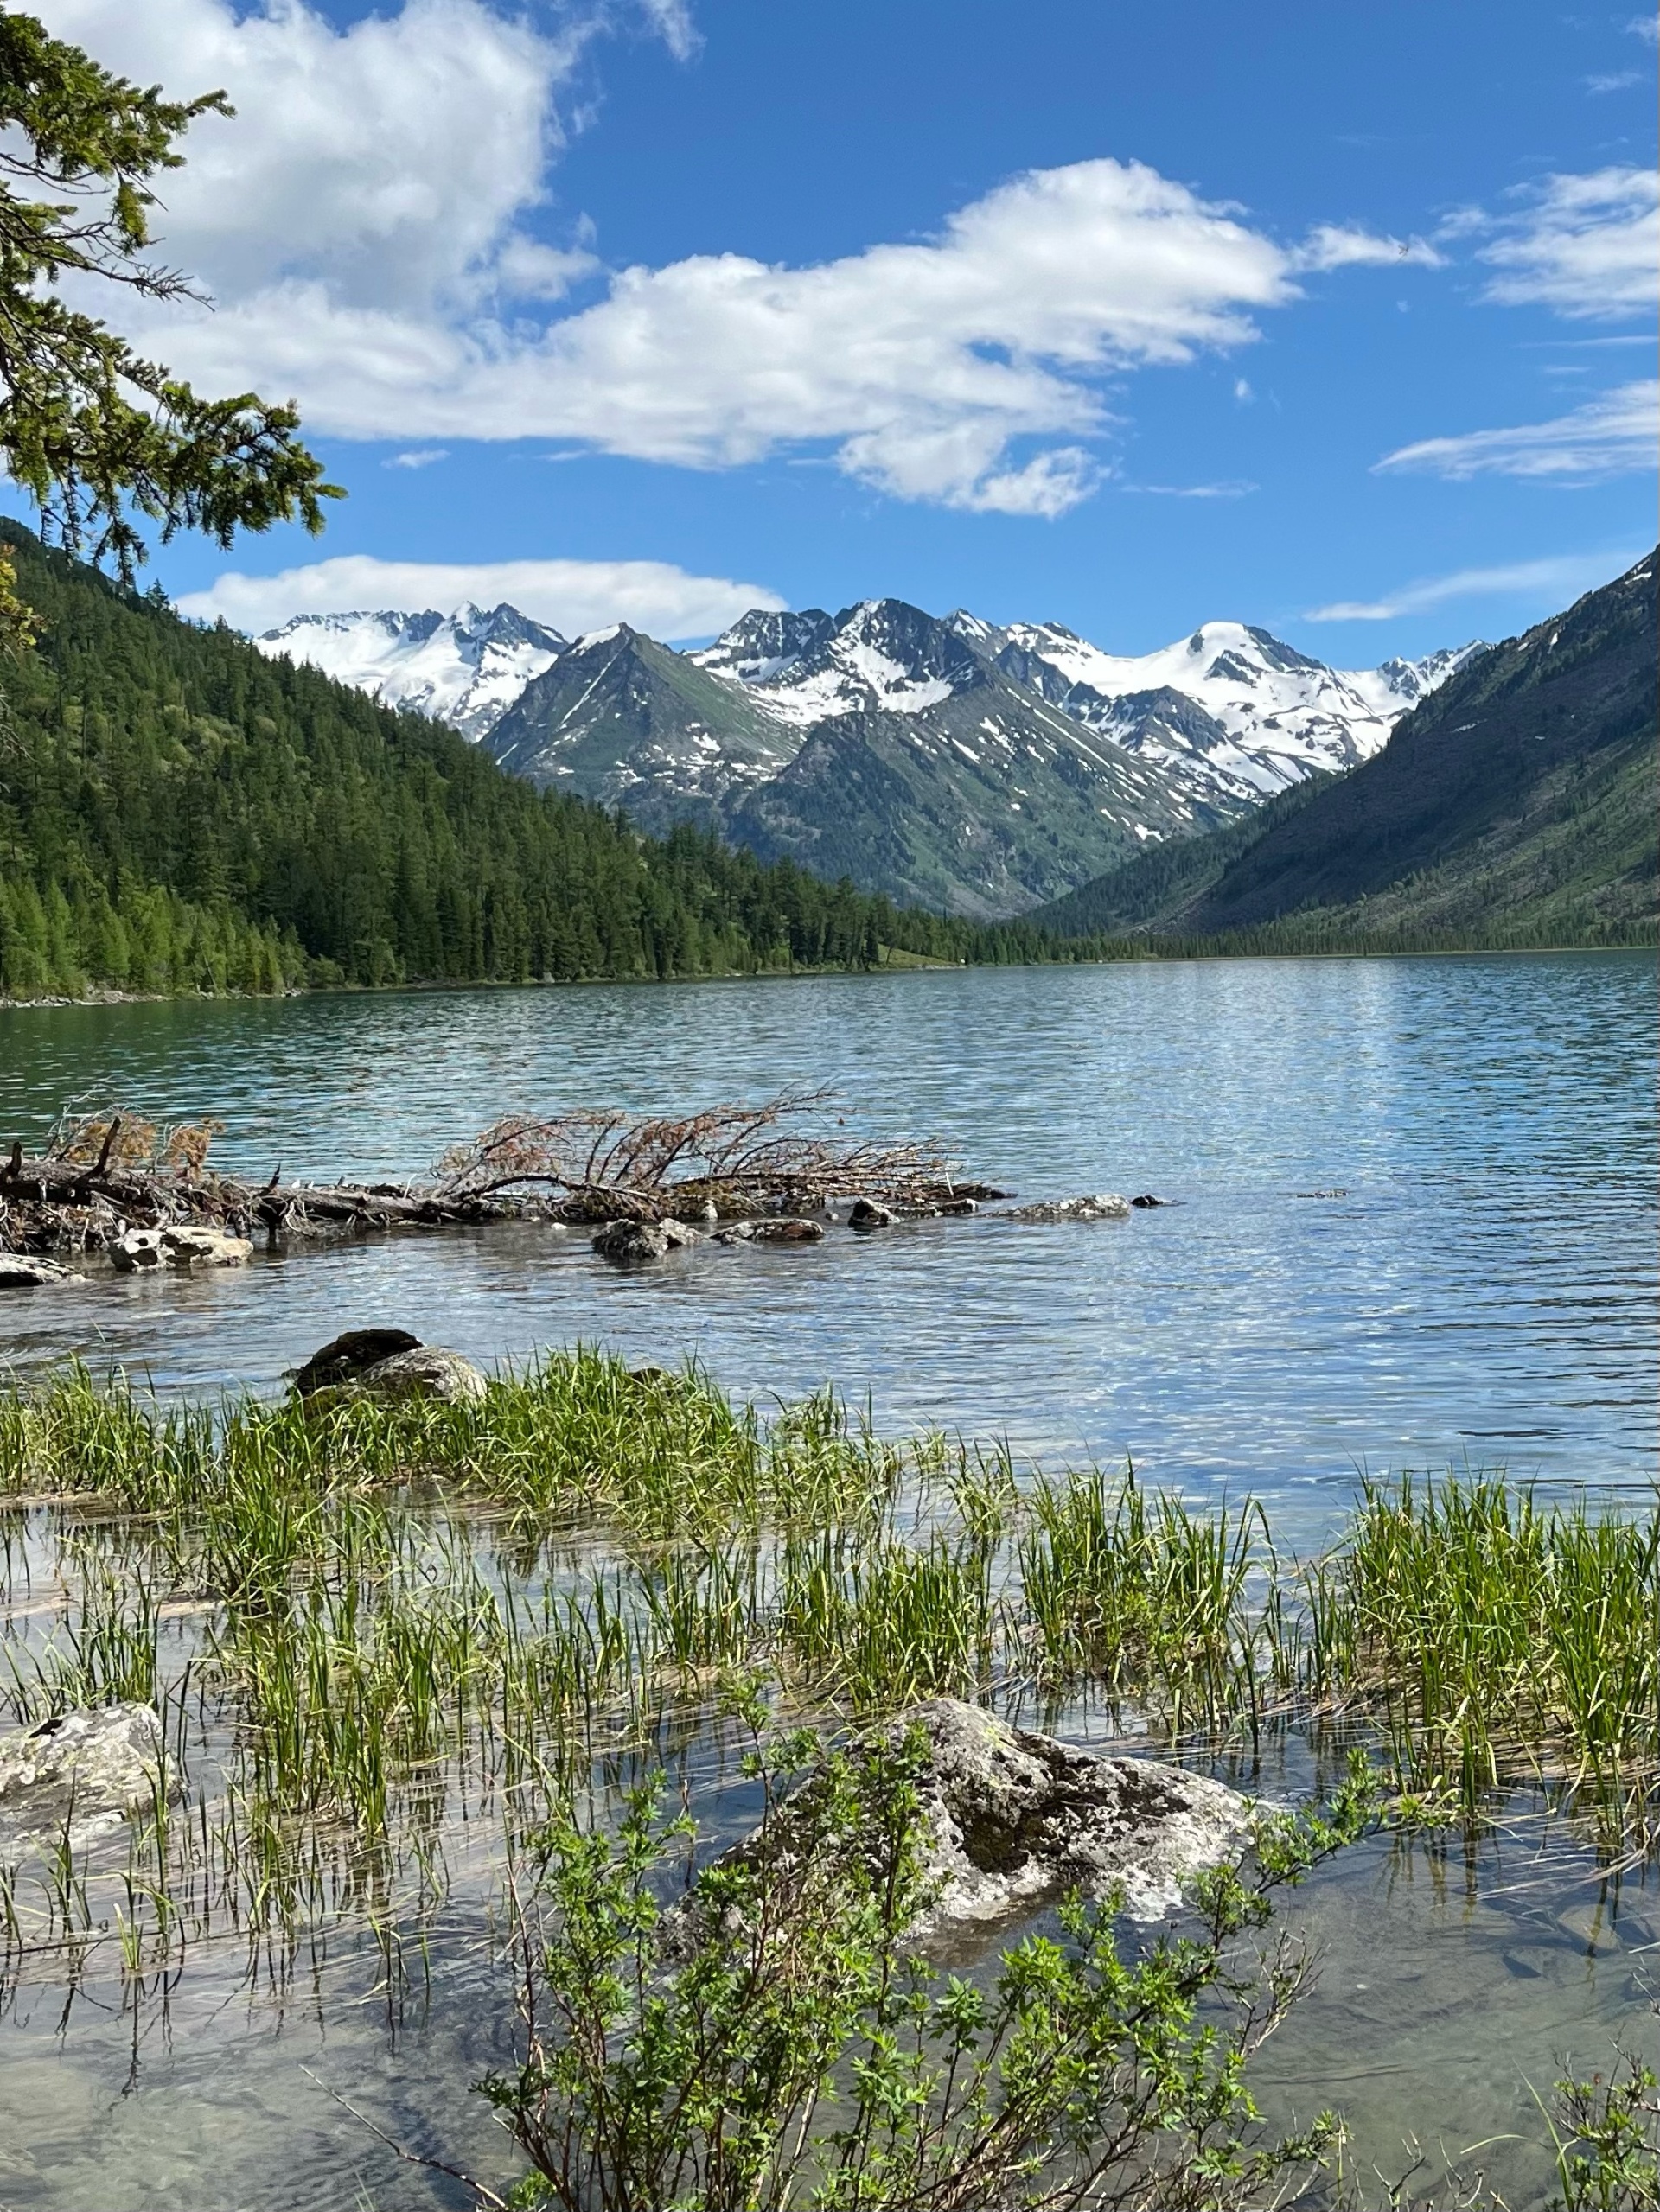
1413	1222
1411	1226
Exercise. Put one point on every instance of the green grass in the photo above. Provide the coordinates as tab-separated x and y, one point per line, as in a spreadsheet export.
346	1617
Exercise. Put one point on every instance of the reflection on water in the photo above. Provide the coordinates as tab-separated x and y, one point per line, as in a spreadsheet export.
1474	1283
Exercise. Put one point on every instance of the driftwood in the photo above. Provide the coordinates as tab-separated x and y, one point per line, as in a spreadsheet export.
107	1172
778	1157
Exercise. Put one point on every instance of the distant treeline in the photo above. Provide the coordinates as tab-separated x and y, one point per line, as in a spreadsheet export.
178	813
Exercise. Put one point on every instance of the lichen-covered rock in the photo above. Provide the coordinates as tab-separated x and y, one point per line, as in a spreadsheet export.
1097	1206
426	1371
89	1770
352	1354
21	1270
782	1229
630	1244
1017	1819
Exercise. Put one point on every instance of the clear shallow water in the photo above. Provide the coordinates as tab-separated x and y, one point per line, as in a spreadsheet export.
1483	1288
1481	1291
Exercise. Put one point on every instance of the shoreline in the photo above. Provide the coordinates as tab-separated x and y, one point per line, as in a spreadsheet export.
914	964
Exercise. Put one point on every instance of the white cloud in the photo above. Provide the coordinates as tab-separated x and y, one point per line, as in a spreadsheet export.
1645	26
572	595
1586	245
389	162
1557	579
925	366
1333	246
1234	488
1608	436
422	457
369	227
1616	80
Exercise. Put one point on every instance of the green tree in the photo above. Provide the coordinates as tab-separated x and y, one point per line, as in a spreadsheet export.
102	439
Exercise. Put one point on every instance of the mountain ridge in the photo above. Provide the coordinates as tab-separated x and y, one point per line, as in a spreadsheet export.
1016	762
1514	803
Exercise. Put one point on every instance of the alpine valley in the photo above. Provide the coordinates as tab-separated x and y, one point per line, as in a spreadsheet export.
977	770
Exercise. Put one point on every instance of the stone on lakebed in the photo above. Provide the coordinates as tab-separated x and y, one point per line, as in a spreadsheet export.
90	1768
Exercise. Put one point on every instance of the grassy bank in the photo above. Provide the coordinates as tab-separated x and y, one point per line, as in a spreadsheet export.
1480	1635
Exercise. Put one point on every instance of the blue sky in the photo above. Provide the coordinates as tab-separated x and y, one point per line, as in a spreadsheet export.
1120	317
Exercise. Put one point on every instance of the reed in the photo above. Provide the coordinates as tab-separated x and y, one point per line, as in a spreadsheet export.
1494	1634
393	1603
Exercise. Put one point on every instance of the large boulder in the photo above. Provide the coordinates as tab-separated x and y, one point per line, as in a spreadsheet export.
628	1243
187	1248
91	1769
136	1250
870	1213
427	1371
1097	1206
178	1245
352	1354
21	1270
1015	1820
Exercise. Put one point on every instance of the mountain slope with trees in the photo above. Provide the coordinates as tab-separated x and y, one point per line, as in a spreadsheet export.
178	813
1514	806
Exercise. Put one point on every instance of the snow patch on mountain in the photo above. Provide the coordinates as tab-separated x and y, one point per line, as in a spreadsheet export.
466	669
1230	709
880	656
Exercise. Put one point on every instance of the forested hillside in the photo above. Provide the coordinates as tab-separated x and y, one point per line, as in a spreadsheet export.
178	813
1514	806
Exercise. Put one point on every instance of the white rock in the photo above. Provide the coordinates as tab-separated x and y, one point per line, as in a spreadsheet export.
21	1270
92	1768
1098	1206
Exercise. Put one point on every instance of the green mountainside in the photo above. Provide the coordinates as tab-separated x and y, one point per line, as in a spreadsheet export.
178	813
1514	806
982	798
629	722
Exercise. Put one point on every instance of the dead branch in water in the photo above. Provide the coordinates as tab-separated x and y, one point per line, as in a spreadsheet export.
774	1155
107	1170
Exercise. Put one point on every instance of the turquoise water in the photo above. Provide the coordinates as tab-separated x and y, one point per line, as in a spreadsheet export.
1414	1227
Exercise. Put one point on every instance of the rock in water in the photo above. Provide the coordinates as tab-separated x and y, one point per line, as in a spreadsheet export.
1098	1206
91	1767
175	1246
1017	1819
628	1243
137	1249
205	1248
20	1270
427	1371
353	1354
869	1213
778	1230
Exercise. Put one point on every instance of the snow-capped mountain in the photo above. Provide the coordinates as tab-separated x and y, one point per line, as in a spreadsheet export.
881	656
466	668
1231	709
983	768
